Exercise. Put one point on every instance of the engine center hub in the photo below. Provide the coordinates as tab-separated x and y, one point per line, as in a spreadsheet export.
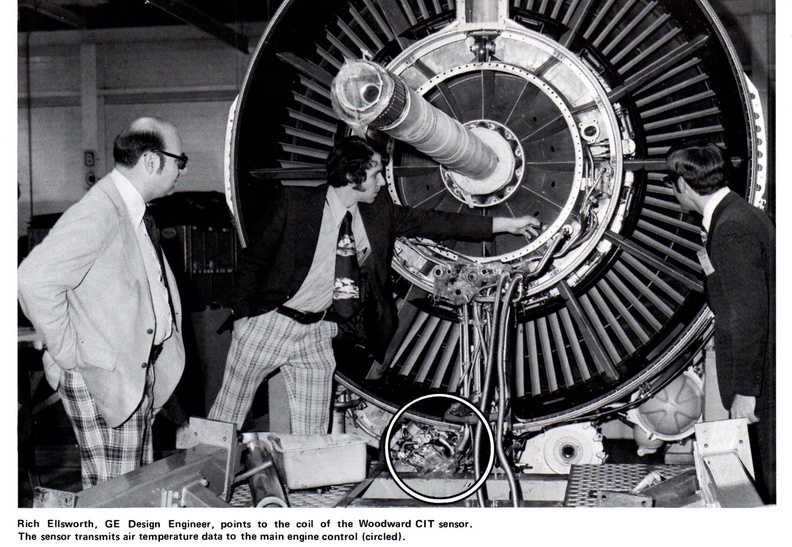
508	173
558	139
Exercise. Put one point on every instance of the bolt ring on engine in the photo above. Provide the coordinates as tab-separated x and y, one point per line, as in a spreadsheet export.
507	177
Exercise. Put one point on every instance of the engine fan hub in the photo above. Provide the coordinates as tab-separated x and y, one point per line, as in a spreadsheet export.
501	184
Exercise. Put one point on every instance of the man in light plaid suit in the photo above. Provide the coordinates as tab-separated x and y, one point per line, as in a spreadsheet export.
102	296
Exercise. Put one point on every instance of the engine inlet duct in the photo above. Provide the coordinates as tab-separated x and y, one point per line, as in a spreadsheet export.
561	110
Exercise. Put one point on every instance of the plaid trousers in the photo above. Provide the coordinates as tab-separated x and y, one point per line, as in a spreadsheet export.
303	353
107	452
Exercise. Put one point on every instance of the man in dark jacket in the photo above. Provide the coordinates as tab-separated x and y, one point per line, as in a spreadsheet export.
739	263
291	296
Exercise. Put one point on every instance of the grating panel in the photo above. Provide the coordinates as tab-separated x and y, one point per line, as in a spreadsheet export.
317	497
586	480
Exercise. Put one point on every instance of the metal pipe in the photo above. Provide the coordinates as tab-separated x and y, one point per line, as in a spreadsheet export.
484	404
366	94
265	485
250	472
503	394
466	353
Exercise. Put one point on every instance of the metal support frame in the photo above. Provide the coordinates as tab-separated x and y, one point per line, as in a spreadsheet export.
379	489
201	476
723	464
56	12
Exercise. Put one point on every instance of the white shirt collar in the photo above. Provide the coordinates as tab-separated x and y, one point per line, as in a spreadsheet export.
338	209
710	206
135	204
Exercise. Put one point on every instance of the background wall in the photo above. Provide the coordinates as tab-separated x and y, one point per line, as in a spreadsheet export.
78	89
751	24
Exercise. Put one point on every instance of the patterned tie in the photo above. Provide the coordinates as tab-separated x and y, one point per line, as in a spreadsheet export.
346	291
153	231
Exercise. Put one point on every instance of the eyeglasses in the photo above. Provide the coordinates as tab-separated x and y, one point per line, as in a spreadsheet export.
670	180
181	161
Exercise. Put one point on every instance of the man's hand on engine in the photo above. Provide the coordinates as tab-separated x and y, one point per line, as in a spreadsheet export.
521	226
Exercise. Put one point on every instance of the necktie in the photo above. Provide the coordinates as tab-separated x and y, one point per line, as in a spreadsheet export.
346	290
154	236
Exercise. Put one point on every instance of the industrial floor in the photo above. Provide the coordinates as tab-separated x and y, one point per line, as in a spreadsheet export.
49	457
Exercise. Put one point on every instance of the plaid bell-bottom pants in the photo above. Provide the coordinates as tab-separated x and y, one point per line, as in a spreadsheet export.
303	353
107	452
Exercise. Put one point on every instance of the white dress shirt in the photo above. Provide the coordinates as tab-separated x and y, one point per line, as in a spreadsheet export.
709	207
136	207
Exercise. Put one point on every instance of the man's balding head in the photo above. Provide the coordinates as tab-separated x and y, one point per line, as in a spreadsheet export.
143	135
149	154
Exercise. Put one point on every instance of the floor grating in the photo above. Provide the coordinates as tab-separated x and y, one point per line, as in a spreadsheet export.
586	480
316	498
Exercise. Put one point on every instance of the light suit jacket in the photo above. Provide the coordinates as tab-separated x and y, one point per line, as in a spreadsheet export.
85	290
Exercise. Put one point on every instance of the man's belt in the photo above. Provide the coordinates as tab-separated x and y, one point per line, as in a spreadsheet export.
303	317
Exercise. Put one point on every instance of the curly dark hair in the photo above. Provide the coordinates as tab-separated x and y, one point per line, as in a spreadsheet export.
705	167
349	160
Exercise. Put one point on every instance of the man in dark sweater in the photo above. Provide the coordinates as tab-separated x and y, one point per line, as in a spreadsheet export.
291	298
739	263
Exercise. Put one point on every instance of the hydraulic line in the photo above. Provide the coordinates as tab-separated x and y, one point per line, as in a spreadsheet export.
464	345
503	389
480	495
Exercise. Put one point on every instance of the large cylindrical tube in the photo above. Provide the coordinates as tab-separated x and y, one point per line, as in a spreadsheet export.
265	485
365	94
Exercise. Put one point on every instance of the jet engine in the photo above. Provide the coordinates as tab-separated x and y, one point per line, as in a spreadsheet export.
561	109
